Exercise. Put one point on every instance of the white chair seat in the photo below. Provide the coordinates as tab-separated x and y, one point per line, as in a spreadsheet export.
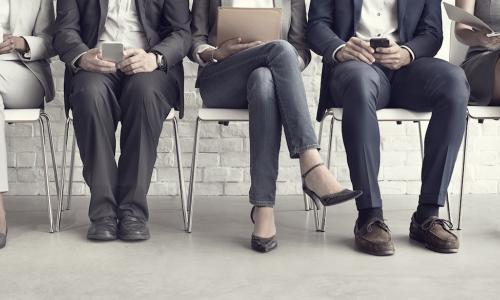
22	115
389	114
222	114
484	112
170	116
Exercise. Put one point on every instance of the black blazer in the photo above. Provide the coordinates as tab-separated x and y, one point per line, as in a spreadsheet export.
333	22
166	23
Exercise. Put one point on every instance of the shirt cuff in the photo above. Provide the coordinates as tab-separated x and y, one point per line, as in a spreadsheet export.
200	49
412	54
73	63
334	55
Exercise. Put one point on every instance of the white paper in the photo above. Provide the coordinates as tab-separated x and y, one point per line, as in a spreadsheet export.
461	16
1	34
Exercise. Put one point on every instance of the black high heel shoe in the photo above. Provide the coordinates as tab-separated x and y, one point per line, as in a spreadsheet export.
262	245
3	238
328	200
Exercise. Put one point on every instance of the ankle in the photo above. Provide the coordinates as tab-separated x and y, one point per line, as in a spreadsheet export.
308	159
365	215
426	211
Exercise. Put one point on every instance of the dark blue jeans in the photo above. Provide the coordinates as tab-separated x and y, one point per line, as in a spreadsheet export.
267	81
426	85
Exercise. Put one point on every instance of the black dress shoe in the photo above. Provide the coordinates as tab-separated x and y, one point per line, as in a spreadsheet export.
262	245
133	229
328	200
3	238
104	229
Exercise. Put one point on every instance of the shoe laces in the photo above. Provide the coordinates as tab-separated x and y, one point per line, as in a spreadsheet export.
447	225
380	223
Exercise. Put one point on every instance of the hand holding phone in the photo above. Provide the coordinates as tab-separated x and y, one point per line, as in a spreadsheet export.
379	43
112	52
92	61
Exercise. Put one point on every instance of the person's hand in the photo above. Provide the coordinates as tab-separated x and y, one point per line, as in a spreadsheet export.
137	61
492	43
227	49
394	57
13	43
92	62
356	49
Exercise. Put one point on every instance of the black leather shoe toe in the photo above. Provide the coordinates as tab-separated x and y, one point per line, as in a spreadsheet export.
133	229
103	230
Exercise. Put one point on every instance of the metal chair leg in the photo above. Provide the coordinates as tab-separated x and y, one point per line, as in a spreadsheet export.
71	172
192	180
464	161
63	174
182	189
330	144
46	173
421	137
52	150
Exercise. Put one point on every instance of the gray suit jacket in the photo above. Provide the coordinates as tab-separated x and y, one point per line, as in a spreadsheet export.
34	20
80	23
294	24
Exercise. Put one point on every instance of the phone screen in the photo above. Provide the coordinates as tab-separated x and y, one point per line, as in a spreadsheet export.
112	52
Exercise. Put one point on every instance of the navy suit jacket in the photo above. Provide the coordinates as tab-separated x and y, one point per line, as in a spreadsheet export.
333	22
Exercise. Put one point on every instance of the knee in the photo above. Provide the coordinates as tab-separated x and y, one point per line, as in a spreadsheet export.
283	48
139	90
454	89
88	95
260	86
358	82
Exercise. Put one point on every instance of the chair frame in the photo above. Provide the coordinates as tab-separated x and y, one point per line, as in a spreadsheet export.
194	159
44	123
69	121
321	225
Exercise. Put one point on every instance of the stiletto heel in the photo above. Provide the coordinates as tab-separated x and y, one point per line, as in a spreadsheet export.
328	200
262	245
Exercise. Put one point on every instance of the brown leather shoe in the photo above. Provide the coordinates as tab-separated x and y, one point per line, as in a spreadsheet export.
435	234
374	238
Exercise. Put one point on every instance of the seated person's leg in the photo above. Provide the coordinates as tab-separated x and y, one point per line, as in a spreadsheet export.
96	114
361	90
146	100
432	85
19	88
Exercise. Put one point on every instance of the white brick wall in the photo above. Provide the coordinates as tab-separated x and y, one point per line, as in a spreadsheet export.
224	160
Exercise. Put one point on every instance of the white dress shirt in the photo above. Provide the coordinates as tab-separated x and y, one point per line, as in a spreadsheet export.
122	26
253	3
235	3
379	19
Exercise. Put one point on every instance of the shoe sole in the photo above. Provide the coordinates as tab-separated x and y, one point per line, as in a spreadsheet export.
101	238
439	250
376	253
132	238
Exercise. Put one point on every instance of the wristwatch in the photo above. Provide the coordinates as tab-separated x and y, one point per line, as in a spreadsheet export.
161	61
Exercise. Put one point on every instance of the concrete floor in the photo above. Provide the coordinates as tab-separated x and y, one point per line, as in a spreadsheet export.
215	262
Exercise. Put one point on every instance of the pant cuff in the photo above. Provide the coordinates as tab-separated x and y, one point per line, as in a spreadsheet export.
295	152
434	199
260	203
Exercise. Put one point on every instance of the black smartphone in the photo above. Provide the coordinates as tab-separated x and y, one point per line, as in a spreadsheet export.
380	43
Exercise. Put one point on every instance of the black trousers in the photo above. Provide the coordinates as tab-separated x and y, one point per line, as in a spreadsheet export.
426	85
141	103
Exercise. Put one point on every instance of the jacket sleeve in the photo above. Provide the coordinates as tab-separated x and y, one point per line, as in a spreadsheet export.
200	26
428	36
176	45
40	42
320	35
68	43
297	32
